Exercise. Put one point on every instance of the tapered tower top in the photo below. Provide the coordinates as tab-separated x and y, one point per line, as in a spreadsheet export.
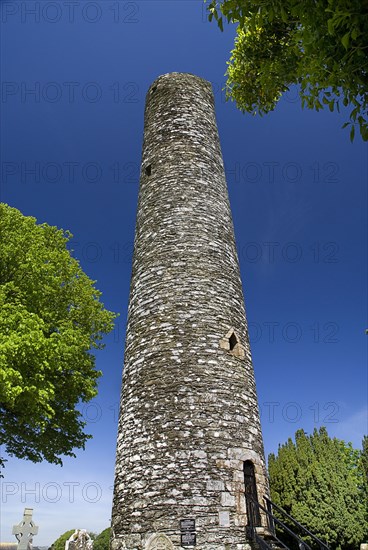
180	77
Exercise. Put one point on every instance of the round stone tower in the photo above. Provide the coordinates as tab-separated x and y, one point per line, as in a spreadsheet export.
189	440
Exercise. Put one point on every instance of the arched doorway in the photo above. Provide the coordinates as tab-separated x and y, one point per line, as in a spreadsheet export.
251	496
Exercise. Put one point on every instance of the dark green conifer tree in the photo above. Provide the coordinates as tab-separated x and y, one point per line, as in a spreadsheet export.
318	481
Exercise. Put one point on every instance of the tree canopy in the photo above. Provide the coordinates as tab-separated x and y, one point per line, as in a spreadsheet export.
51	319
319	45
320	482
59	544
102	541
364	477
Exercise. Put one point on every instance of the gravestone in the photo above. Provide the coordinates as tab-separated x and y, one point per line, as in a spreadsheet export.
25	530
80	540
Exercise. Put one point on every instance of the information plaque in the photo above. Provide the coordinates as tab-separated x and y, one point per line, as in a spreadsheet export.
188	535
188	539
187	525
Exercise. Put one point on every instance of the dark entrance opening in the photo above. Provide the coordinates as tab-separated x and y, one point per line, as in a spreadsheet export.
251	497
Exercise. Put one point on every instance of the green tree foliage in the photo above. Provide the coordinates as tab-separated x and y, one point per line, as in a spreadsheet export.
102	541
317	480
364	460
59	544
320	45
51	319
363	465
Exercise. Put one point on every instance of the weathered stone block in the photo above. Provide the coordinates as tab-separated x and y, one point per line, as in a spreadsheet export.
215	485
224	519
227	499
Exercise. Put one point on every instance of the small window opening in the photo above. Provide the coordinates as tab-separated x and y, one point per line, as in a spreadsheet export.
233	341
153	89
232	344
148	170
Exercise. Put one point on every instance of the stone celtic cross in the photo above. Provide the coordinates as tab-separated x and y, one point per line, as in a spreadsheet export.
25	530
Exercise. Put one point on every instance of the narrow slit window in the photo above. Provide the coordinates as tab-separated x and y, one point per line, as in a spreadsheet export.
233	341
153	89
148	170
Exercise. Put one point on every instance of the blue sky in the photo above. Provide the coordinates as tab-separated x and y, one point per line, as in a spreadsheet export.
298	194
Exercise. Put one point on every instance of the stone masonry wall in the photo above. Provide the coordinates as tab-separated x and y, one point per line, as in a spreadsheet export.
189	415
